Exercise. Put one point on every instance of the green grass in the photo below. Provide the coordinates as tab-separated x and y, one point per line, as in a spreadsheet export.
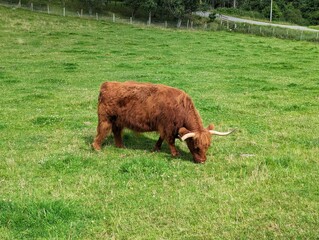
260	183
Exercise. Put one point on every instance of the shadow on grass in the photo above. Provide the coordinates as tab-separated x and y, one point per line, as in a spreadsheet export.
135	141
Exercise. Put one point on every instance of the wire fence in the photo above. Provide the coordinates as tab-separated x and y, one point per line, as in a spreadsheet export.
104	16
219	24
270	31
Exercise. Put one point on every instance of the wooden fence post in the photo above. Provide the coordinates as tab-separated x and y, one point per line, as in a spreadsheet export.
149	18
48	8
63	11
31	6
113	17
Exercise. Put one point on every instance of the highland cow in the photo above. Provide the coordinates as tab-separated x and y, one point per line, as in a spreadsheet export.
145	107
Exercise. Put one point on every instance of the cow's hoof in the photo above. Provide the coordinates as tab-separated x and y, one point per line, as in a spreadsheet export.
200	161
156	149
96	147
175	154
120	146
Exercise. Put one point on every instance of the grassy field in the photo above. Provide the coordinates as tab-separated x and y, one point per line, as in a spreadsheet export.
260	183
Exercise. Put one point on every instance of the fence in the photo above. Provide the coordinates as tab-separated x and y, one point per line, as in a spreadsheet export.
269	31
220	24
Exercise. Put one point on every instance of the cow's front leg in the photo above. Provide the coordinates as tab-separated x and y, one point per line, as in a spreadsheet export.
117	132
171	143
158	145
103	129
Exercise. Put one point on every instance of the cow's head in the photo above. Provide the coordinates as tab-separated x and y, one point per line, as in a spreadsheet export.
198	142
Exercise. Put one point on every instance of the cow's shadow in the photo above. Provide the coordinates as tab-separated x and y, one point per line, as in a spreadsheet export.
143	142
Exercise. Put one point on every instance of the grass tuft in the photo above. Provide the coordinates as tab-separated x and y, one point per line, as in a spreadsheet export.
46	121
44	219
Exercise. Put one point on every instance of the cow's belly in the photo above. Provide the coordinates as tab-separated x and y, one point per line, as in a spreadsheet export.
137	124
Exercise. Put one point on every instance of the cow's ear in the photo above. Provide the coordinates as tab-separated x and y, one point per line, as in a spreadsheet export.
210	127
184	133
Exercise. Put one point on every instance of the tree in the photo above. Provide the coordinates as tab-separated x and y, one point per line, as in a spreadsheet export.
292	14
276	11
181	8
310	11
134	5
149	5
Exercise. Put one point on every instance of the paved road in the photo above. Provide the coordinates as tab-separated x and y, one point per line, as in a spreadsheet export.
234	19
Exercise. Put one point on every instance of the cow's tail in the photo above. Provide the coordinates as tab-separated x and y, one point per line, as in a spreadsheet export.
100	98
103	89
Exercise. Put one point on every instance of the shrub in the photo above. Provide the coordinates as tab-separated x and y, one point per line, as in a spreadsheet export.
212	16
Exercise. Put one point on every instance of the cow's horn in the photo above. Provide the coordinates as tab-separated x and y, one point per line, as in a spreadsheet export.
187	135
221	133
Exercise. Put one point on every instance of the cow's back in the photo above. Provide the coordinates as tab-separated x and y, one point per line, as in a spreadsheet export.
143	106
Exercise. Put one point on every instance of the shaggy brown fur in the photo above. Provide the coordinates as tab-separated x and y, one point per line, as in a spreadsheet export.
145	107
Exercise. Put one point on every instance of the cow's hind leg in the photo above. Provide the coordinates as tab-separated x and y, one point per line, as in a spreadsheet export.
158	145
103	129
117	132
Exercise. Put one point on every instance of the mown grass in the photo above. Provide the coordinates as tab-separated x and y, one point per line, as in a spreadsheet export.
261	182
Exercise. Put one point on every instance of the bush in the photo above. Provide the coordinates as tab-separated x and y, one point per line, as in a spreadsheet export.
212	16
204	7
240	12
197	20
276	12
294	15
314	17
